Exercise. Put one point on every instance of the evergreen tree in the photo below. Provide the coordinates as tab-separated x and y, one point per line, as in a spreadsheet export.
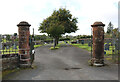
109	28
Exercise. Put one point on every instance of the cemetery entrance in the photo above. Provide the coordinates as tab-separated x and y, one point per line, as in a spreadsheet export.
66	63
17	49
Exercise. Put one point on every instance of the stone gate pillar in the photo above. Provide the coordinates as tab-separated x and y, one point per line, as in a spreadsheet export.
98	44
24	47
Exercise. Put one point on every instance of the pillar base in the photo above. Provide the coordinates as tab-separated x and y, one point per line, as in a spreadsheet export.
97	62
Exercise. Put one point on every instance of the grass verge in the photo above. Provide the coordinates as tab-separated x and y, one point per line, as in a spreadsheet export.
52	48
58	46
6	72
88	48
36	46
82	46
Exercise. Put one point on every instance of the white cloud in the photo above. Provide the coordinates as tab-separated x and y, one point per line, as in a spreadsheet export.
96	10
34	11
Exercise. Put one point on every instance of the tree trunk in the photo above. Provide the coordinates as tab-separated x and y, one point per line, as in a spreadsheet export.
56	41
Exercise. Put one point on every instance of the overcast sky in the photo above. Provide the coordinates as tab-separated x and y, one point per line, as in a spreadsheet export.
34	11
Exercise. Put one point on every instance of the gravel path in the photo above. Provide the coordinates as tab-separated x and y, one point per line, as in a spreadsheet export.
66	63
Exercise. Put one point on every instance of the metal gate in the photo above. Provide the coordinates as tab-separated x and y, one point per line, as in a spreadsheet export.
9	51
8	44
116	46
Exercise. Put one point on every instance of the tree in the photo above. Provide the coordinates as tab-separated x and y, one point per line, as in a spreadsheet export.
109	28
15	34
116	32
7	37
40	37
43	37
60	22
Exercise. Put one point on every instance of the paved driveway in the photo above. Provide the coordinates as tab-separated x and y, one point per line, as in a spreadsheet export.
66	63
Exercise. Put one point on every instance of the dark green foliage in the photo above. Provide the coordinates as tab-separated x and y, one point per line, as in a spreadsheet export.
109	28
7	37
15	34
63	39
83	36
60	22
40	37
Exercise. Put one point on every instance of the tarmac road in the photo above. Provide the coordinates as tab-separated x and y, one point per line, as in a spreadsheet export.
65	63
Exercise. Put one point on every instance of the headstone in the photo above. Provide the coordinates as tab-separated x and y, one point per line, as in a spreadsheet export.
14	46
89	43
104	52
77	41
107	42
3	47
106	46
7	47
82	41
111	44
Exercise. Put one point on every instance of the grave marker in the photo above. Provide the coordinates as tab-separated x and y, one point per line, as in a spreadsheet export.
82	41
14	46
89	43
106	46
7	47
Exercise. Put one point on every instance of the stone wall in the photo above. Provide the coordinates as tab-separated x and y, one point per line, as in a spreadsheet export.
10	61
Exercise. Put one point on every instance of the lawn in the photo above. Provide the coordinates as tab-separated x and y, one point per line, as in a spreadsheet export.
52	48
36	46
88	48
58	46
83	46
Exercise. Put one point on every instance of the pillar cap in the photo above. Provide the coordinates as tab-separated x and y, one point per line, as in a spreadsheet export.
23	23
98	24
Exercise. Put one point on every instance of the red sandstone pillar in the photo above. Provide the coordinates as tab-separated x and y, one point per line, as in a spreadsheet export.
98	44
24	47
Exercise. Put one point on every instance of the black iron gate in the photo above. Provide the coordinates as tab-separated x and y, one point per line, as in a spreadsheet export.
8	44
115	46
9	51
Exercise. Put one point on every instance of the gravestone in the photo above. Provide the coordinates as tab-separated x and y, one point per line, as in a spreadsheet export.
3	46
104	52
89	43
106	46
77	41
82	41
14	46
7	47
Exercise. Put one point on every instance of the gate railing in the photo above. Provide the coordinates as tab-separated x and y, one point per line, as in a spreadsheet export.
9	51
8	44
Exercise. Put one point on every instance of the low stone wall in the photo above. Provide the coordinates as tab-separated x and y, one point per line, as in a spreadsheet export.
10	61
